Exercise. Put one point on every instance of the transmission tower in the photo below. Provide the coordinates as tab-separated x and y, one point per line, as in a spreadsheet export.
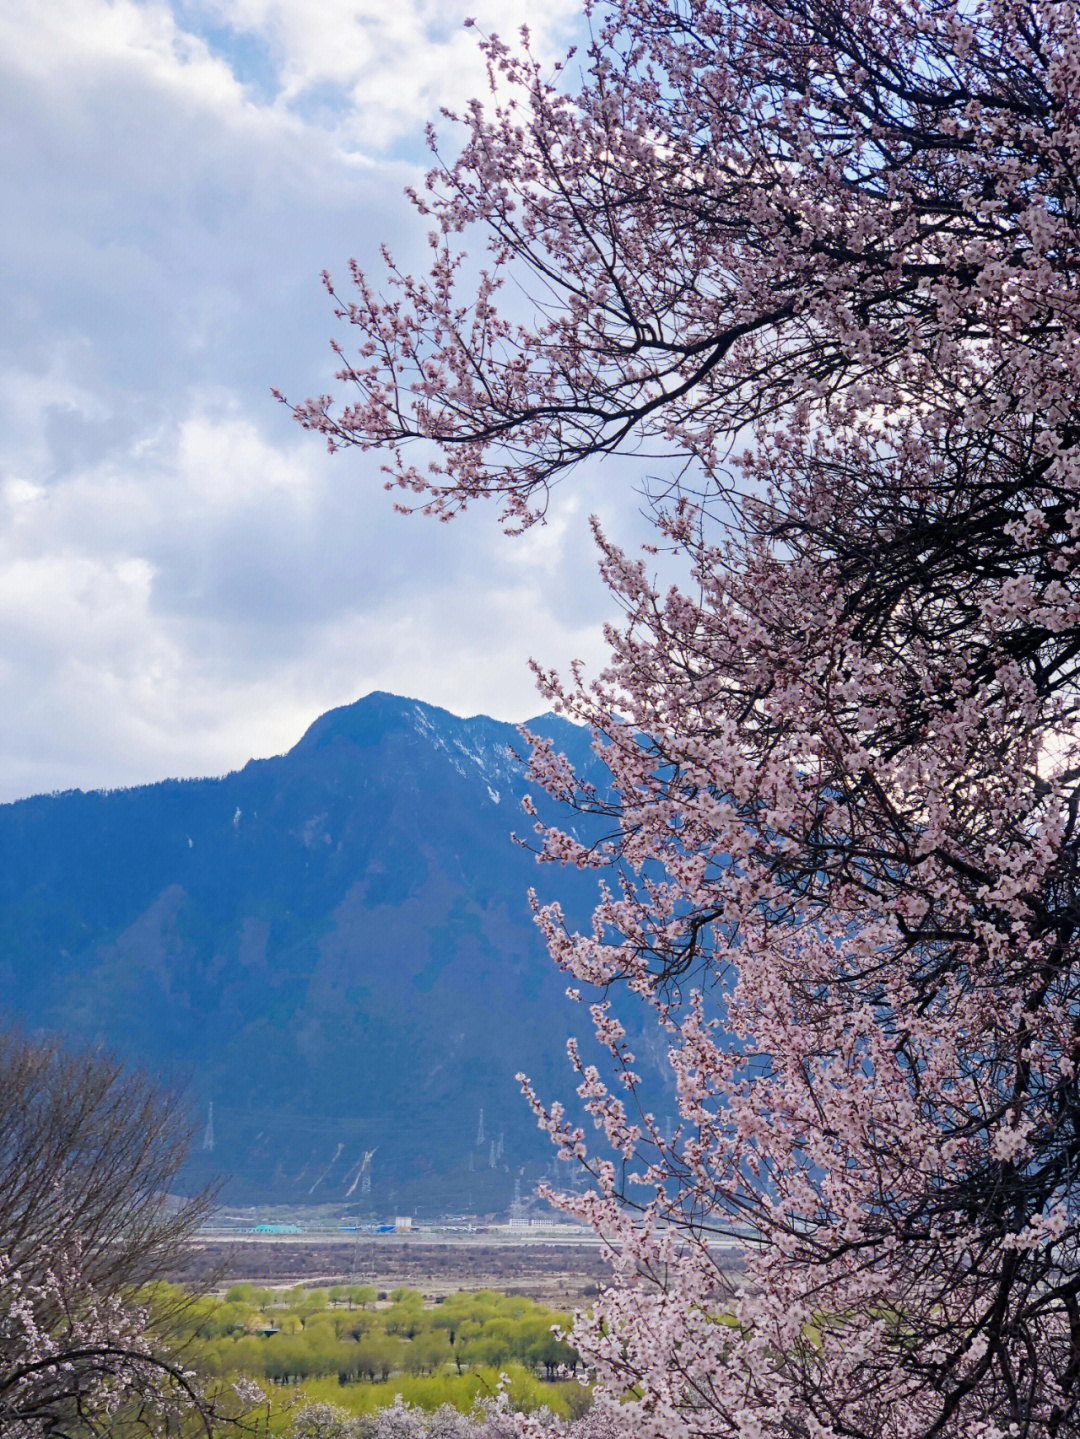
208	1133
480	1129
517	1209
356	1263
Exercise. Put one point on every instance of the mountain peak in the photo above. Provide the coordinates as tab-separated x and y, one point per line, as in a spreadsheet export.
368	720
336	943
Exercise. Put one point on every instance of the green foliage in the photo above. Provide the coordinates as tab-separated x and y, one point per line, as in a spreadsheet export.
527	1392
338	1346
250	1296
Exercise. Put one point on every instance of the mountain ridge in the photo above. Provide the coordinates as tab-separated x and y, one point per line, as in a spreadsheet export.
333	945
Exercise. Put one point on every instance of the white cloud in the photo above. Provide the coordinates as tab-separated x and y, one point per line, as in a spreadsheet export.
186	580
195	636
393	65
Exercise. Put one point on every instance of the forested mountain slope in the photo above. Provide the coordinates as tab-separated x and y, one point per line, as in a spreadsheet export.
333	946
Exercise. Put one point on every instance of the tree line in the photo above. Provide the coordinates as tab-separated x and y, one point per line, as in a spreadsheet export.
291	1336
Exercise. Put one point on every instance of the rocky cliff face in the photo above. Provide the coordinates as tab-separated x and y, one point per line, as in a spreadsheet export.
334	947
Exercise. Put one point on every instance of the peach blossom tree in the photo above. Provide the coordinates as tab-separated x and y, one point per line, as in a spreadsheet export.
820	258
77	1362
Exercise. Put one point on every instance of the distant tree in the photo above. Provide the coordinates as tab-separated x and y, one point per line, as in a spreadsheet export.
406	1315
378	1356
427	1353
312	1304
360	1323
403	1295
446	1318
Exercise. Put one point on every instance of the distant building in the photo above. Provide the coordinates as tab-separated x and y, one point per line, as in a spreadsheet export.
402	1222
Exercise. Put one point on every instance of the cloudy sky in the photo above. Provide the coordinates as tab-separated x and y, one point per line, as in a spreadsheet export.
187	579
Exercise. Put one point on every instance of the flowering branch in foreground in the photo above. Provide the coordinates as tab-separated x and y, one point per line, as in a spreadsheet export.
825	253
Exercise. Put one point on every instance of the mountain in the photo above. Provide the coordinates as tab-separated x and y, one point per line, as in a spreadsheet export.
333	948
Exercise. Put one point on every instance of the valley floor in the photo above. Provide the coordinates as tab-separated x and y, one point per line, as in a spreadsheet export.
562	1275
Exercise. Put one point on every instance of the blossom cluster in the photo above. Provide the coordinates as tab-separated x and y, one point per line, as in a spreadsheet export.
825	254
73	1360
489	1419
